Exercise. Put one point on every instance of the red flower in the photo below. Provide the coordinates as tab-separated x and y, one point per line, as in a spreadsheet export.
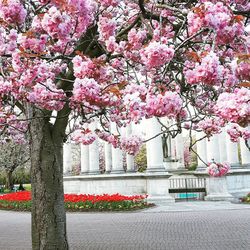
26	196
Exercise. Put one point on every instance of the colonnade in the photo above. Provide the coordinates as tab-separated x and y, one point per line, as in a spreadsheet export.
218	148
221	149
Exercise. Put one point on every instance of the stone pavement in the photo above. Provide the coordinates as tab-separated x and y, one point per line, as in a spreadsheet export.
179	226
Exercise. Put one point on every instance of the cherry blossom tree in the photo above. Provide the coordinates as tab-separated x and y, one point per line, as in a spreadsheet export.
12	155
65	63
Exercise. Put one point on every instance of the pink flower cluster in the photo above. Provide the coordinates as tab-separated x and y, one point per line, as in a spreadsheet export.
85	137
167	104
8	42
131	144
106	28
243	70
58	25
156	55
12	11
93	68
65	22
34	44
235	132
86	90
210	126
82	12
107	3
134	96
218	17
47	96
209	71
136	38
84	67
218	169
5	86
14	129
110	138
234	107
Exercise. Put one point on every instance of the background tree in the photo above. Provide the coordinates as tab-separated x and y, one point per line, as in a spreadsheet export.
12	156
66	62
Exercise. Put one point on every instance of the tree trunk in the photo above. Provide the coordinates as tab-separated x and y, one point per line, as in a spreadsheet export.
9	183
48	212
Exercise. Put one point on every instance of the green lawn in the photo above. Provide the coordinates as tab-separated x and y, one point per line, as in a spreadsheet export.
27	187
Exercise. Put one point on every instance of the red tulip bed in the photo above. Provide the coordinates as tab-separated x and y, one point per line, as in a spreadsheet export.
82	202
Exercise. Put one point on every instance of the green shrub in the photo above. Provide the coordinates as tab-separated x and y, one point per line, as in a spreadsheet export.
141	159
21	175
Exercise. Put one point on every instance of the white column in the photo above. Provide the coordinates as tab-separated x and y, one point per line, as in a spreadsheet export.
173	149
117	157
94	167
94	158
130	160
222	146
84	159
108	157
201	151
67	158
232	152
180	151
213	149
245	153
154	146
117	161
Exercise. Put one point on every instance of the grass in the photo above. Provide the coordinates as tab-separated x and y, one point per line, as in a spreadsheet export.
27	187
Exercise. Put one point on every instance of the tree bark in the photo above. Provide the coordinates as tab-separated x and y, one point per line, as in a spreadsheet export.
48	212
9	183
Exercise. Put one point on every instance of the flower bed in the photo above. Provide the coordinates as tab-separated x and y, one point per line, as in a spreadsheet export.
73	202
246	199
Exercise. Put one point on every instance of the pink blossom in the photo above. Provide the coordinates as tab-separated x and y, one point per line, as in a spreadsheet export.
131	144
110	138
56	24
234	107
217	16
156	55
209	71
107	3
168	104
12	11
218	169
84	67
86	90
106	28
134	97
210	126
243	70
47	96
136	38
111	44
85	137
235	132
5	86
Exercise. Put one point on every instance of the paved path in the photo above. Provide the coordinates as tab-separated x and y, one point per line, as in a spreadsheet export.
186	226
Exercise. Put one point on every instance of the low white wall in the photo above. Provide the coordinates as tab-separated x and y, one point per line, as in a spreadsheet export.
154	184
127	184
238	182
